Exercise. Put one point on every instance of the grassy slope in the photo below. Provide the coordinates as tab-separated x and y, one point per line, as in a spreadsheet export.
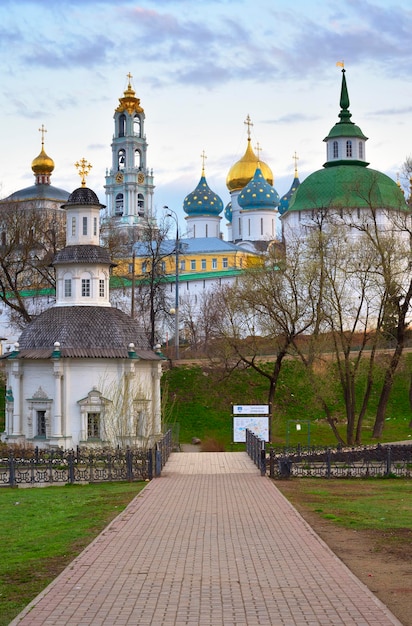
199	400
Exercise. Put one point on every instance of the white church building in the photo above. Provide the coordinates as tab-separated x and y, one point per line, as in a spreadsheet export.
82	372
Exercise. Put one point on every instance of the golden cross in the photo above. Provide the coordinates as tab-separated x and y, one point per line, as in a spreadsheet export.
296	159
248	123
203	157
258	150
42	130
129	76
83	168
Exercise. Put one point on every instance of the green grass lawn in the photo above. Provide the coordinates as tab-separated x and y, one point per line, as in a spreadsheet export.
43	529
374	503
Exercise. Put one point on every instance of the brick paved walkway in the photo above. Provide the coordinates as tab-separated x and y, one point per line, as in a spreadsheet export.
209	543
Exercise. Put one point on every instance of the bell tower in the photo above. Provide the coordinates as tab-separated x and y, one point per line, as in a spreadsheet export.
129	183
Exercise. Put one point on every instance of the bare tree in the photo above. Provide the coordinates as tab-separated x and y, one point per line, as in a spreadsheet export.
29	240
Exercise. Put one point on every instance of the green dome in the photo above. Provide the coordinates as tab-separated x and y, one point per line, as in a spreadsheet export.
348	187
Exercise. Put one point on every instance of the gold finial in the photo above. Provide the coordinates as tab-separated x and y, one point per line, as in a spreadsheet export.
258	150
83	168
129	76
296	159
248	123
340	64
203	157
42	130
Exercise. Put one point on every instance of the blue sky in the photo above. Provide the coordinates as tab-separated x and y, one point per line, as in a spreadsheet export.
199	68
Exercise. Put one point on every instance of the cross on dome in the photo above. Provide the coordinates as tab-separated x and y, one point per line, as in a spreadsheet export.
42	130
248	123
83	168
203	157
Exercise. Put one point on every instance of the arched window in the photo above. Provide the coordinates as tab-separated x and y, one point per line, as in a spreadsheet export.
349	148
137	158
137	126
119	204
140	204
121	159
122	125
361	150
335	149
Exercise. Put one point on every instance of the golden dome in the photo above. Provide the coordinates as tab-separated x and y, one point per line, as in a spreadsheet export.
243	170
42	164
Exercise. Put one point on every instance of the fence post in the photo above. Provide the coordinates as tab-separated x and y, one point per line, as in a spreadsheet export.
129	464
388	460
271	463
263	459
70	462
328	463
150	464
12	470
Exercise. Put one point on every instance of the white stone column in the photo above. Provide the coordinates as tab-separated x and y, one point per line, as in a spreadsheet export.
16	388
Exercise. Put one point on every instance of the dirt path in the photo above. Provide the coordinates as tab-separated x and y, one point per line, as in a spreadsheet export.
382	561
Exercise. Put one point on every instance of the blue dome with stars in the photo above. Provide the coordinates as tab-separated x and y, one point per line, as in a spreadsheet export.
258	194
228	212
285	200
202	201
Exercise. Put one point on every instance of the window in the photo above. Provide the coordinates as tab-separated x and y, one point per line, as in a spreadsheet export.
225	263
86	287
130	269
95	226
349	148
203	263
194	231
163	267
101	287
182	266
193	264
121	159
119	204
240	227
214	264
140	204
137	126
137	158
361	150
122	126
85	226
67	287
93	425
144	267
41	424
335	149
73	226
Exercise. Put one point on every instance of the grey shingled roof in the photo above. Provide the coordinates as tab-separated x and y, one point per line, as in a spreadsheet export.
83	254
89	329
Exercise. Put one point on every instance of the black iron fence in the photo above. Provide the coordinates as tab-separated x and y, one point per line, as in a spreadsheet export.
371	461
40	467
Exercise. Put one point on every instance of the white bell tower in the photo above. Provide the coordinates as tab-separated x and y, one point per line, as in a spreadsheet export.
129	183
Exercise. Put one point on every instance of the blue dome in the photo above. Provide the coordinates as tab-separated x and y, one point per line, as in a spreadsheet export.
258	194
202	201
228	212
285	200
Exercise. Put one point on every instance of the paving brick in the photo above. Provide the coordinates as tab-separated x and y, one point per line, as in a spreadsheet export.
209	543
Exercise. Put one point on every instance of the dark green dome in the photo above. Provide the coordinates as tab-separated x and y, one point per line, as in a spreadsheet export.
348	187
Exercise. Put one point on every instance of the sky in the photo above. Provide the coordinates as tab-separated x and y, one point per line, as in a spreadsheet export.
199	68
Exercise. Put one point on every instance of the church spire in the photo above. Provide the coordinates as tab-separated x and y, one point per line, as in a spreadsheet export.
344	114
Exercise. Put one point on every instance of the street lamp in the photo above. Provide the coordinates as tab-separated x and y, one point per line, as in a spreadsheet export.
172	214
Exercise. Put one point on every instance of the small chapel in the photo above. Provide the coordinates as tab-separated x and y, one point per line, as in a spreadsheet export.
82	372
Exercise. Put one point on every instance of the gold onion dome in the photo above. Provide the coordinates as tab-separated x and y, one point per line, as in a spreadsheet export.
243	170
42	164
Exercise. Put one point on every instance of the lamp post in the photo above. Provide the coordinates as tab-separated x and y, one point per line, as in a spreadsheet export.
173	214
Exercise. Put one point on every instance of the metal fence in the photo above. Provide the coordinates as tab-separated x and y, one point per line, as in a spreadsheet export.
361	462
50	467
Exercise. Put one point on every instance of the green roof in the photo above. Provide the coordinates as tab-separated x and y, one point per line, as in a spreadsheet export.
347	187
